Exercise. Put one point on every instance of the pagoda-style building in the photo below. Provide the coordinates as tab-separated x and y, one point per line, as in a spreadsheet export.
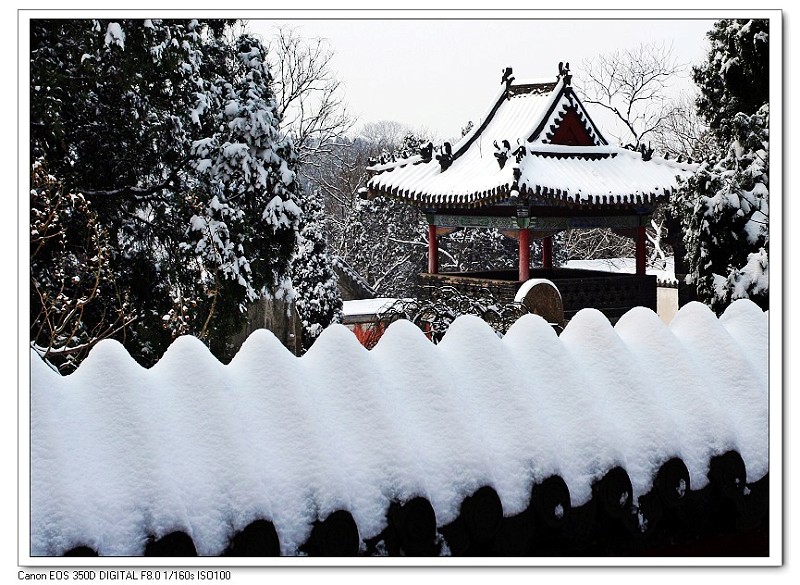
534	165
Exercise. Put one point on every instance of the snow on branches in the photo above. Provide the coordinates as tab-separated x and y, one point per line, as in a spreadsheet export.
319	302
729	225
245	170
725	205
170	130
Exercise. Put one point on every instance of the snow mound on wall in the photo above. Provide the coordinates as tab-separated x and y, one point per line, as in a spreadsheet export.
120	453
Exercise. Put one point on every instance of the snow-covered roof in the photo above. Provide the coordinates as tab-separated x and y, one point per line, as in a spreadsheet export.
597	176
528	116
119	453
365	310
366	307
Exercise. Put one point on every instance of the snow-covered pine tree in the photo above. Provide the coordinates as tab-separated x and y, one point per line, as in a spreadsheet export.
735	76
725	205
319	302
246	232
168	129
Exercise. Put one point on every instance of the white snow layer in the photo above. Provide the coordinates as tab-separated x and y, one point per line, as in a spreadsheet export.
361	307
114	35
119	452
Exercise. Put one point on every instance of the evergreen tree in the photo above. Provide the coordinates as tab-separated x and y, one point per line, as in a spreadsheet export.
319	302
725	205
735	76
169	131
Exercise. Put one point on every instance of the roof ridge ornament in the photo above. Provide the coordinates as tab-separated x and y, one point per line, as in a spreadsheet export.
446	157
502	152
645	151
520	152
426	152
563	73
508	78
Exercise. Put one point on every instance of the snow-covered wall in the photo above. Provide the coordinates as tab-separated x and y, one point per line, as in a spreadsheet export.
120	453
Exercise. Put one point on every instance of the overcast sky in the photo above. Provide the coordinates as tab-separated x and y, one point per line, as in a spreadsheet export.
439	74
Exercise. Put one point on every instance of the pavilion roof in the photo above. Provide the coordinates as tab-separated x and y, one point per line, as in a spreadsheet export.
524	124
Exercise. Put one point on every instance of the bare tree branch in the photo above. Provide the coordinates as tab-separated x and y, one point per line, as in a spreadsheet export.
67	317
683	132
310	98
633	84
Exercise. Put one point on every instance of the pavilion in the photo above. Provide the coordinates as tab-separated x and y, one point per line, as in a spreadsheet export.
534	165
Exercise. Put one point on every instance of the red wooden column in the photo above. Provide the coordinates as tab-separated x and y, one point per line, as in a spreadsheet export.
547	252
433	251
641	251
524	254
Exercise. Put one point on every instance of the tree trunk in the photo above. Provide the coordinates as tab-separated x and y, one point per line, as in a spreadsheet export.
277	316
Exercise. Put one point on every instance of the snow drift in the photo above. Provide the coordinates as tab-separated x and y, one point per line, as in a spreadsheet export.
120	453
